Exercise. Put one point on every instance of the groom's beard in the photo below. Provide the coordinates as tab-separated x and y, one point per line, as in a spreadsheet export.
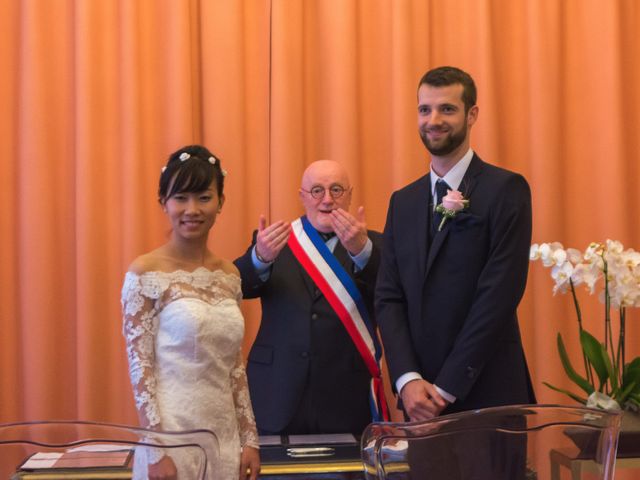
447	145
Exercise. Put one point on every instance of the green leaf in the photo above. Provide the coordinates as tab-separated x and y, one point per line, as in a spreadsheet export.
628	389
613	375
597	356
568	393
631	375
568	368
635	399
632	366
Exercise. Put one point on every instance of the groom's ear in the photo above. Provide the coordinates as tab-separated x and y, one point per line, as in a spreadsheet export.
472	115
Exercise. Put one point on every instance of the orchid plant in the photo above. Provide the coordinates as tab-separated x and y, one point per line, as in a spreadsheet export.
609	381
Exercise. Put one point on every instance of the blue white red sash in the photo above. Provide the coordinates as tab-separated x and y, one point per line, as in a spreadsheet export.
344	297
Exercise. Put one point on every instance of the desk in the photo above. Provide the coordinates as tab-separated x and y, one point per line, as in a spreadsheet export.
343	464
116	474
577	465
325	471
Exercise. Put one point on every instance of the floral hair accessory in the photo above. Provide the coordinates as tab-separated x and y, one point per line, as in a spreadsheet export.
212	160
184	156
224	172
452	203
163	169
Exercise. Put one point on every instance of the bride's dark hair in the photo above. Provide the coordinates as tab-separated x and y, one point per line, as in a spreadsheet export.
190	169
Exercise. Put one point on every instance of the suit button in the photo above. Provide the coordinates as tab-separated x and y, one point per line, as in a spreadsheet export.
314	316
304	354
471	372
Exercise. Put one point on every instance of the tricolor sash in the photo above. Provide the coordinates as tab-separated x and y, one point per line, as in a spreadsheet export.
344	297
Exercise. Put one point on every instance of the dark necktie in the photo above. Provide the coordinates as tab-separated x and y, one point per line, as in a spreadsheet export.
441	192
326	236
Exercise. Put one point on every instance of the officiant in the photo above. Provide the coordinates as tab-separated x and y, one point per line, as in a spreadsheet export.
314	366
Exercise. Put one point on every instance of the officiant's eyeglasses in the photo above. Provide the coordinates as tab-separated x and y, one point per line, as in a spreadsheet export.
317	192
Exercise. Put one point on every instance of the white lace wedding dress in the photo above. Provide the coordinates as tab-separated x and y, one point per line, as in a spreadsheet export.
184	332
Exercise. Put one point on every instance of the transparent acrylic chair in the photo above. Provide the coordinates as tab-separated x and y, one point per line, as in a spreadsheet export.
19	441
499	443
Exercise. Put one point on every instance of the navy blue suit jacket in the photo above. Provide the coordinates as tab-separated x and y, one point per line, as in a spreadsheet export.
302	343
448	309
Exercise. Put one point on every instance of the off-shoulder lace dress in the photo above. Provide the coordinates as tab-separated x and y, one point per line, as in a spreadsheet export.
184	332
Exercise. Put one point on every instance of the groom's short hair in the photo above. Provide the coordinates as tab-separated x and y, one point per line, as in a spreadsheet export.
445	76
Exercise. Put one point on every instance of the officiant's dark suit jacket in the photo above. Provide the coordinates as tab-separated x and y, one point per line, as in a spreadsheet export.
447	308
302	343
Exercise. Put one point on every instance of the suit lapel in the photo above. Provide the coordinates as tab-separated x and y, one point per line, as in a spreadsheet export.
422	203
469	182
470	179
341	255
297	267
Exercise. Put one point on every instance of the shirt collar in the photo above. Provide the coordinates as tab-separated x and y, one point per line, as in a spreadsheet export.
454	176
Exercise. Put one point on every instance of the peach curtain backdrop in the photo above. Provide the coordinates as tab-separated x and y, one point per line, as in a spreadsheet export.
95	95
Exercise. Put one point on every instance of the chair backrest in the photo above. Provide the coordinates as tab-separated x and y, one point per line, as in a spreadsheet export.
511	442
57	446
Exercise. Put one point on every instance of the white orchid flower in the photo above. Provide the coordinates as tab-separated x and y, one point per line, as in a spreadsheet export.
534	252
561	274
552	254
613	246
600	400
574	255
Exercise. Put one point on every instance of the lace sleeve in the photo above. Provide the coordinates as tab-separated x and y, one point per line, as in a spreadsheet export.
139	329
242	401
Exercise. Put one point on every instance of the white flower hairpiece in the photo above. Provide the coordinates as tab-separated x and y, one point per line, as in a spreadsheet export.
212	160
163	169
224	172
184	156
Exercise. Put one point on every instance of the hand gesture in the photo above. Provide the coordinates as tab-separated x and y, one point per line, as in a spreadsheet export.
272	239
421	400
350	230
249	463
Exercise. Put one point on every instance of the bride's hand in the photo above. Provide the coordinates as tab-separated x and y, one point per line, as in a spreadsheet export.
165	469
249	463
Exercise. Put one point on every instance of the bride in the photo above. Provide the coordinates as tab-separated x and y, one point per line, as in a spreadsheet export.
183	329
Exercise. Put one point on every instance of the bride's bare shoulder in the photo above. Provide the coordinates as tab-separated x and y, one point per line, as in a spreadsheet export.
227	266
148	262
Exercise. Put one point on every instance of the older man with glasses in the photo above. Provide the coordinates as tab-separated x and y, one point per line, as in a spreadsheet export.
314	366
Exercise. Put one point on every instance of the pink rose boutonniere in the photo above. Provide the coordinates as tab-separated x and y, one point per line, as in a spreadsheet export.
452	203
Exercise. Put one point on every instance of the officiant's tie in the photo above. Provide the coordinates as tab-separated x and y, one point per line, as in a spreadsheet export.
326	236
441	192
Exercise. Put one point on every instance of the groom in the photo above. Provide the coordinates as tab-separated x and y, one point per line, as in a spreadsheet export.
453	270
450	281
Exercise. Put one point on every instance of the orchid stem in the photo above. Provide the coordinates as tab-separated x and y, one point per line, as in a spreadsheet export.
608	332
587	367
621	342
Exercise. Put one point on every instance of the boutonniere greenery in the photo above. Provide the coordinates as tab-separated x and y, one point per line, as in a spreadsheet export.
452	203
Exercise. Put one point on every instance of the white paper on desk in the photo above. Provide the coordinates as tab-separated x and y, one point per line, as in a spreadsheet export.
41	460
101	447
327	438
265	440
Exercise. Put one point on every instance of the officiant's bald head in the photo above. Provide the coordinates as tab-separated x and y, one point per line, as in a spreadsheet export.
324	187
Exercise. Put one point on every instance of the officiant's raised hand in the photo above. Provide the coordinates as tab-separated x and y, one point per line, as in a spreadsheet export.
271	239
350	230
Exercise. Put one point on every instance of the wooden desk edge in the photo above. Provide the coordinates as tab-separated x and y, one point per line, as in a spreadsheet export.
333	467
